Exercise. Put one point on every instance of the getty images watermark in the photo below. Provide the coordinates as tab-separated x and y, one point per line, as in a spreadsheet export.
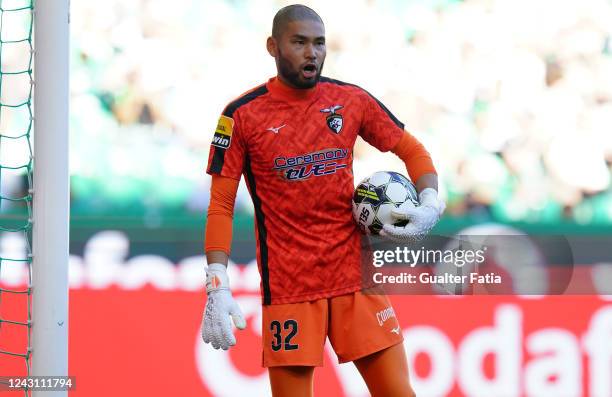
506	264
411	257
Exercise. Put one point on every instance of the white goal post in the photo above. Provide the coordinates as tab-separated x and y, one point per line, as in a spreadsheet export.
51	206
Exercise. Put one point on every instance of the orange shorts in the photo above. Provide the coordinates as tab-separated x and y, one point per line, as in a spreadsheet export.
357	325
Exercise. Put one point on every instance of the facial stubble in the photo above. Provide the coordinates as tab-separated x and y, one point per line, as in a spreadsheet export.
293	76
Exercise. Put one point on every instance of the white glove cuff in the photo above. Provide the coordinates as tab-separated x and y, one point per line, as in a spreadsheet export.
429	197
216	277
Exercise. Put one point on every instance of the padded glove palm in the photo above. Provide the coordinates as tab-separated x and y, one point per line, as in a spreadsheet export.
421	219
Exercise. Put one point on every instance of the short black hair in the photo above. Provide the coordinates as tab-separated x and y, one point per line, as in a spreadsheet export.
294	12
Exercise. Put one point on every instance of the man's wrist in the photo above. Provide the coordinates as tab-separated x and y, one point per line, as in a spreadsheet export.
216	277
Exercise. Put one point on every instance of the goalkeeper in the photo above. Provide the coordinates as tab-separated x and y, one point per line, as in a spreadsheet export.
292	138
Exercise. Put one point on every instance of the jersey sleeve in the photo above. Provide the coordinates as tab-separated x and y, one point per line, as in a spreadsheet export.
379	127
227	149
218	233
415	156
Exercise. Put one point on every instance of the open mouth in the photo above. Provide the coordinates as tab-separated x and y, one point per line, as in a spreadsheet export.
309	71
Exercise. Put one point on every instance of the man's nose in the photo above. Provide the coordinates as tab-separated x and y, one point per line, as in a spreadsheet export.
309	52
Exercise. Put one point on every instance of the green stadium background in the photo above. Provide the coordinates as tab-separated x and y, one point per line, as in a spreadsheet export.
513	100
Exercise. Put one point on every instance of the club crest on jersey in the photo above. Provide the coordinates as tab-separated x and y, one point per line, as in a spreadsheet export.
334	120
223	133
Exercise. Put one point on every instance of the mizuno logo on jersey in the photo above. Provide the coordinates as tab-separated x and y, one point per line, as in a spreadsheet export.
276	129
304	166
223	133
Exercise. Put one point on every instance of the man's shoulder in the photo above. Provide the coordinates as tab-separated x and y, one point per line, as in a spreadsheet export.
244	99
333	83
362	93
343	86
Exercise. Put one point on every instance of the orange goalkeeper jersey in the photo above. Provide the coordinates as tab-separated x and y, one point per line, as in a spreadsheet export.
295	149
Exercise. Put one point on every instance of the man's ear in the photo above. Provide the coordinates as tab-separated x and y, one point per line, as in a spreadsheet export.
272	46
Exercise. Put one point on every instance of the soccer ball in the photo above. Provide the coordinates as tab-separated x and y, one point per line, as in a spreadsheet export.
377	195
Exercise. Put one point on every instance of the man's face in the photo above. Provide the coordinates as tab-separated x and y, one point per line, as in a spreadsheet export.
301	53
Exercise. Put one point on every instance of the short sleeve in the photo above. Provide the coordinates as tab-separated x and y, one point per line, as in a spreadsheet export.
227	149
379	127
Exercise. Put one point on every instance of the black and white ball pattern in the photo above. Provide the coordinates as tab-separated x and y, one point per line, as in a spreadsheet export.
377	195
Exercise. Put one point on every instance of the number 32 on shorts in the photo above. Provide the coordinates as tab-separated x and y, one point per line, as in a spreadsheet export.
282	334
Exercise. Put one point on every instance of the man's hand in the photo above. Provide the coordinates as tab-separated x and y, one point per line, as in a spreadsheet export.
421	219
220	305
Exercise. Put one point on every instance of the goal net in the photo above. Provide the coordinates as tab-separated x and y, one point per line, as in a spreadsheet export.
16	172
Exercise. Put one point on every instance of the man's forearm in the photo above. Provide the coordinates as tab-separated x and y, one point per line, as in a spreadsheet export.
218	233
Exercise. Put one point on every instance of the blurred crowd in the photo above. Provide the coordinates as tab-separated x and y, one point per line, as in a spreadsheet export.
513	98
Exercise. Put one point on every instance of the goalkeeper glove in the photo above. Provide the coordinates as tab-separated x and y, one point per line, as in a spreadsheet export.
220	305
421	219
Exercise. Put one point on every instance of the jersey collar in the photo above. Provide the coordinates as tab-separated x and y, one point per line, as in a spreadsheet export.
282	91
